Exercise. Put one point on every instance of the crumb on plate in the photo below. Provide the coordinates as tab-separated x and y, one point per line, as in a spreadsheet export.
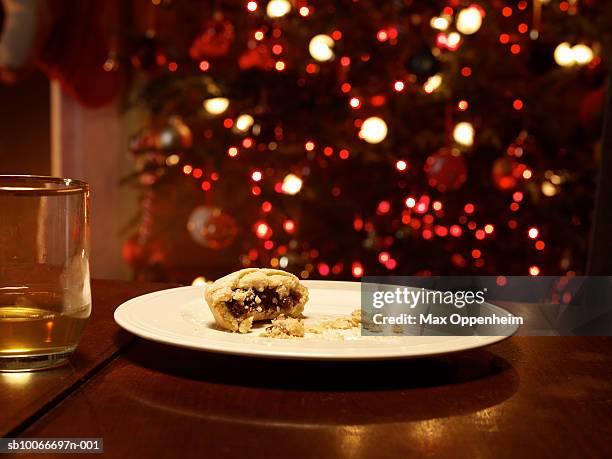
285	328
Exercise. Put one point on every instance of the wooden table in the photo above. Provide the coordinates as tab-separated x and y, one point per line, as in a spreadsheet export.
524	397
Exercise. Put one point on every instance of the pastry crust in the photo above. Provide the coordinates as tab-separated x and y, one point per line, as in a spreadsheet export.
247	283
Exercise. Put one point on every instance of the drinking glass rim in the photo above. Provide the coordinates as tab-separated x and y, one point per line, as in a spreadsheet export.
37	185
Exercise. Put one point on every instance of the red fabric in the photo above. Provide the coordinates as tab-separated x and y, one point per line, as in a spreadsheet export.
77	48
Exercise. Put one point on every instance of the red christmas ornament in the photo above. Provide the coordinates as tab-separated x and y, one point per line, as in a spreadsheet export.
260	57
175	135
211	227
214	41
507	173
445	170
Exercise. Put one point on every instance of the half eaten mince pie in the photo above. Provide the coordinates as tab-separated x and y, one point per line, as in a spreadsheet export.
248	295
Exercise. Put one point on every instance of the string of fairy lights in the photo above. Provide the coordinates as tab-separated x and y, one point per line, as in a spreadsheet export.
445	169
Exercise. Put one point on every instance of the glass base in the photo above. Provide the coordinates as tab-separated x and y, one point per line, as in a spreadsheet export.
33	362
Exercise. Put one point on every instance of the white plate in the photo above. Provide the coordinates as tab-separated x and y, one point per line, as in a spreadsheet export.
180	317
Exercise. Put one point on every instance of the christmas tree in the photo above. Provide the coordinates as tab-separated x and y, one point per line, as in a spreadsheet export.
337	139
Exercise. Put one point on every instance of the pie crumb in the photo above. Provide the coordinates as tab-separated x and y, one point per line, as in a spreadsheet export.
285	328
245	325
356	317
339	323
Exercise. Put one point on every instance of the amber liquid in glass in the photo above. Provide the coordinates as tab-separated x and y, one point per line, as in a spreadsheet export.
27	331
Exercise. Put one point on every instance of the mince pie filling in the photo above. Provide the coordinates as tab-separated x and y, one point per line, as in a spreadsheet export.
260	301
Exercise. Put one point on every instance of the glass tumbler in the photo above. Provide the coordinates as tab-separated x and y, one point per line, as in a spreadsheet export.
45	297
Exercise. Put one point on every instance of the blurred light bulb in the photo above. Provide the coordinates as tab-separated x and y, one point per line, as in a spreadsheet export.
320	47
533	232
292	184
469	20
548	189
432	83
355	102
244	122
262	230
564	56
172	160
453	40
439	23
289	226
278	8
464	133
200	280
582	54
216	105
283	262
373	130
